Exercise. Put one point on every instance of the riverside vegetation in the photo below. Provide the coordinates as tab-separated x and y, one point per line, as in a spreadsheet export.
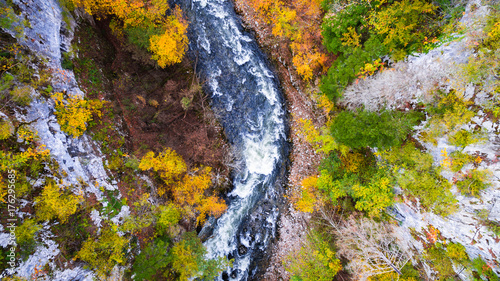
370	159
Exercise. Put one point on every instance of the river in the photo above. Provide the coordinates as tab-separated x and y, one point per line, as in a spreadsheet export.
246	97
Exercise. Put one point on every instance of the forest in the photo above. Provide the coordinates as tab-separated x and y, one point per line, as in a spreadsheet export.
116	165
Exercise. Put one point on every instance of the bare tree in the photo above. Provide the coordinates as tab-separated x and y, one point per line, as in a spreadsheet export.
372	248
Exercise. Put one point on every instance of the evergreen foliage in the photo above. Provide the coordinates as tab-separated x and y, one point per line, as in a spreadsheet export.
364	128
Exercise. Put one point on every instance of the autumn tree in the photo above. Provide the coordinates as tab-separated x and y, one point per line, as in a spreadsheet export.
169	48
146	25
296	24
314	261
190	191
73	113
372	248
188	259
402	24
414	172
183	260
308	195
104	252
55	202
167	164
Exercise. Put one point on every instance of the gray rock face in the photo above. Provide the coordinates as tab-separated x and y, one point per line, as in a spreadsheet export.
78	158
48	36
413	80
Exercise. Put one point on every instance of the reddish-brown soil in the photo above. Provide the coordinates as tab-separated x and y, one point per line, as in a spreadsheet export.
144	113
149	101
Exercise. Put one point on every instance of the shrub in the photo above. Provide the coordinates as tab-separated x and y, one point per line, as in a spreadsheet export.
463	138
6	81
21	95
492	225
473	182
456	252
450	113
483	270
364	128
66	62
6	129
26	134
442	258
25	233
459	160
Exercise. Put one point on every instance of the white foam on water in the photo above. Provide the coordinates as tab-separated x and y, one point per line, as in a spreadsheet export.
229	105
245	187
222	242
203	3
204	43
260	150
214	84
217	11
261	155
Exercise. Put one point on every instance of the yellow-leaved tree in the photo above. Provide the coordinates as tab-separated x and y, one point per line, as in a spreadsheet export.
190	191
168	164
56	202
307	199
146	25
170	47
103	253
73	113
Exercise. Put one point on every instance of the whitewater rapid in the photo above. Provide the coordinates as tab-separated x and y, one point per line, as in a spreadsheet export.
246	97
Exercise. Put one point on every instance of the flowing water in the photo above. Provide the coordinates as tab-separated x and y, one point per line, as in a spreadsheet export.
250	106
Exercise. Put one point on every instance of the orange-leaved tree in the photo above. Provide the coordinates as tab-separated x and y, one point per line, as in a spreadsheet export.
296	23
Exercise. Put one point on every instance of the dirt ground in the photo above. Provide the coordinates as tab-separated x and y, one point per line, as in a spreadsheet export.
150	100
